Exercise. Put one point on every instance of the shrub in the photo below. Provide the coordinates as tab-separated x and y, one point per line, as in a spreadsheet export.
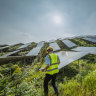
90	81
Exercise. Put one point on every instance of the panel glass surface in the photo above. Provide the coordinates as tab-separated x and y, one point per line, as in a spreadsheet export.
50	41
67	57
91	50
69	43
25	45
93	38
54	46
8	54
35	51
40	44
90	39
4	47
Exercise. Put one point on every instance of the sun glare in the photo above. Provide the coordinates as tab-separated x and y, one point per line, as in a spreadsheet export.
57	19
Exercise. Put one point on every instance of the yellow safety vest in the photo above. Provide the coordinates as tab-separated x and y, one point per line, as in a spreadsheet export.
54	62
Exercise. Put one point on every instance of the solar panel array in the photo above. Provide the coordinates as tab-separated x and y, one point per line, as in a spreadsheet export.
25	45
36	50
90	39
67	57
8	54
68	43
91	50
4	47
54	46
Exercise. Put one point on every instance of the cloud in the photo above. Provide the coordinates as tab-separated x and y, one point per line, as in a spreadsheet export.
32	21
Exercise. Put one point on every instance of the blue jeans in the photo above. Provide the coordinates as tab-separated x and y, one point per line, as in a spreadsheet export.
46	80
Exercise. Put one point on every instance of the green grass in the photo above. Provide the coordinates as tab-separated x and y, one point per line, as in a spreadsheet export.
75	79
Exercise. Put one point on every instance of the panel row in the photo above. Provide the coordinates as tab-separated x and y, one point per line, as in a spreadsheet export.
68	57
36	50
90	39
68	43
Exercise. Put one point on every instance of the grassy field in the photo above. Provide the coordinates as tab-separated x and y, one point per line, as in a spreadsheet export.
18	79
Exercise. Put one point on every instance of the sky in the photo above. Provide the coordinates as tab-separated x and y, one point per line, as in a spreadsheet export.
23	21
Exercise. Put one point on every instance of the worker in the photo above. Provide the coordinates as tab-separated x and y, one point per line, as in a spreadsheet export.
52	61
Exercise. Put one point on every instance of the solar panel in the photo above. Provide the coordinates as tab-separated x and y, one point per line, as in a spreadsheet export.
25	45
4	47
50	41
40	44
36	50
90	39
60	38
91	50
69	43
54	46
8	54
93	38
67	57
8	46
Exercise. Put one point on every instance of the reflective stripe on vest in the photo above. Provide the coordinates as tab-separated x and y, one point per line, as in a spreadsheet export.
53	68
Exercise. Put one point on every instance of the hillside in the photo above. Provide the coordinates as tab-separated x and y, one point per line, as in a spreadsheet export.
20	64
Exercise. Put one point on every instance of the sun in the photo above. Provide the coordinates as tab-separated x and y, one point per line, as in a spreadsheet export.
57	19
